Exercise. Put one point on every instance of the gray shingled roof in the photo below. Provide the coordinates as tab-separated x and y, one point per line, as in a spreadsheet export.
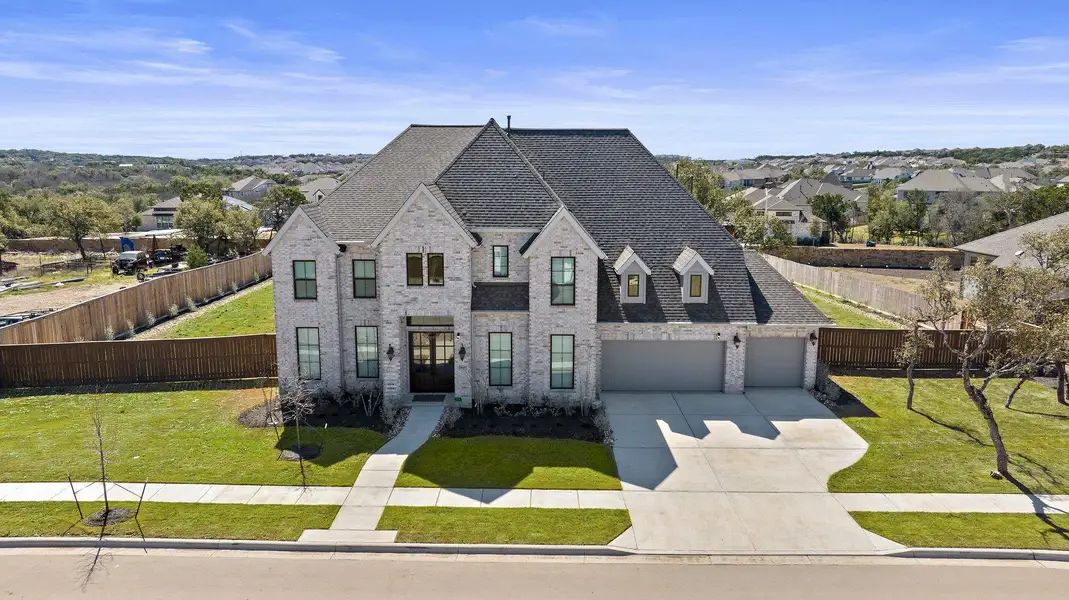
500	296
362	205
492	185
622	196
776	300
1005	245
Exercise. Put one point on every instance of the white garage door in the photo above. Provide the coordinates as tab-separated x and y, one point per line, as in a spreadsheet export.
775	362
674	366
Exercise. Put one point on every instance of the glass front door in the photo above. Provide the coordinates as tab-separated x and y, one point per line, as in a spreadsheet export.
431	361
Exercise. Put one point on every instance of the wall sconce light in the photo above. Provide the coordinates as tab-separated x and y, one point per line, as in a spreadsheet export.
462	353
736	340
718	335
389	352
813	338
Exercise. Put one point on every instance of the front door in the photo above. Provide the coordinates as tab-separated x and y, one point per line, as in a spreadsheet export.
431	361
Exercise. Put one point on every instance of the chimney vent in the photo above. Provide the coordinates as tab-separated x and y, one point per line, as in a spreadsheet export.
508	125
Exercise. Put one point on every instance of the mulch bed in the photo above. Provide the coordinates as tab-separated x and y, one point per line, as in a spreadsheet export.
305	451
328	415
570	426
101	517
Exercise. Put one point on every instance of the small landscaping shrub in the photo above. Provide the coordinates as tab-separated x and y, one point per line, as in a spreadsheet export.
149	318
233	287
130	327
109	333
190	304
173	310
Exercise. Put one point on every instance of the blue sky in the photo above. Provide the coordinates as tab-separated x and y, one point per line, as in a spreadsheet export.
198	78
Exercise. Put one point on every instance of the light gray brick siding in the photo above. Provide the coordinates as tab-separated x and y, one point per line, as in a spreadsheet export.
358	312
481	256
424	229
516	324
579	320
303	242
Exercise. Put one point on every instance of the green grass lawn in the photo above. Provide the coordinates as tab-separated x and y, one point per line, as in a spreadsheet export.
252	313
563	526
510	462
166	437
969	530
944	446
845	314
166	520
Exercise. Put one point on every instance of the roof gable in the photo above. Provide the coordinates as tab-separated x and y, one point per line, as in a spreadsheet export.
627	258
562	216
436	199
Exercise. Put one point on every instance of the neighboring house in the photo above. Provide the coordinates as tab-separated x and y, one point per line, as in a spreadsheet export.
317	189
936	182
250	189
886	174
162	215
470	261
795	217
764	176
857	176
1004	248
801	192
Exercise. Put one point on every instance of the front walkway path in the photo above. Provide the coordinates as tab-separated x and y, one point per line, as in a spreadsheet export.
363	507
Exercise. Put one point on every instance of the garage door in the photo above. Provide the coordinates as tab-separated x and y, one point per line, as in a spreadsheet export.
673	366
775	362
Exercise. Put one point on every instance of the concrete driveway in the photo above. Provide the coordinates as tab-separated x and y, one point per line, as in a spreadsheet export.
734	472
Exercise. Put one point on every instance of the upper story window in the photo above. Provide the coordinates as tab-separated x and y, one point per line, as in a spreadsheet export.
633	274
562	281
501	261
696	286
435	269
634	284
304	279
414	265
363	279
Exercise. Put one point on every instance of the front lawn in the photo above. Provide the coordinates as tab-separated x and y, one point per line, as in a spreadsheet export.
844	314
252	313
510	462
969	530
189	436
558	526
944	445
165	520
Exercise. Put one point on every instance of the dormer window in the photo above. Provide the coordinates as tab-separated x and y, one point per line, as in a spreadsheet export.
633	276
695	276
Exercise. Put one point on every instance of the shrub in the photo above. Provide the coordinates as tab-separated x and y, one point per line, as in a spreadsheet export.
130	328
196	257
190	305
234	287
173	310
149	318
109	333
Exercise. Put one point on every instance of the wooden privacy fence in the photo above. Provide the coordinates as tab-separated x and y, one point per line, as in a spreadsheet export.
139	361
881	297
875	348
90	320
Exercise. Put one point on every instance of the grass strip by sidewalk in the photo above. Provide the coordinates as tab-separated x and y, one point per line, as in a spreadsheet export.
969	530
558	526
943	445
506	462
252	313
165	520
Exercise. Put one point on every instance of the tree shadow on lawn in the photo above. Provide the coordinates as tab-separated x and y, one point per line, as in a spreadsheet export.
336	444
509	462
1042	510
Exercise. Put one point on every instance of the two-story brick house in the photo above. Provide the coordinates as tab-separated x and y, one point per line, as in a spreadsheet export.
527	263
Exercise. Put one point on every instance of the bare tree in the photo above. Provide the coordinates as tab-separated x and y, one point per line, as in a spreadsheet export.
909	355
297	404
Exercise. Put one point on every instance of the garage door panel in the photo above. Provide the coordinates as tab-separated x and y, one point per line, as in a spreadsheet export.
662	365
775	362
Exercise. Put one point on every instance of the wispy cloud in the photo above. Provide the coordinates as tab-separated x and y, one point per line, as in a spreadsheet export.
107	40
1037	44
565	27
283	43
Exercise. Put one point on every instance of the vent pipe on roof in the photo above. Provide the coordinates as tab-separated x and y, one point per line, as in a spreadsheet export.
508	125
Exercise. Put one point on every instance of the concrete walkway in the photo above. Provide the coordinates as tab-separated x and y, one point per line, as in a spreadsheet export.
734	472
363	507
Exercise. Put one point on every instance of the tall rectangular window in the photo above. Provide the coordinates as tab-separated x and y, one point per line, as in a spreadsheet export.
414	264
304	279
500	359
695	286
363	279
435	269
367	352
308	364
562	282
501	261
632	286
562	362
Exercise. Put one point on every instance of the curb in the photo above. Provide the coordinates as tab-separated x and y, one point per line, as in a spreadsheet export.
508	550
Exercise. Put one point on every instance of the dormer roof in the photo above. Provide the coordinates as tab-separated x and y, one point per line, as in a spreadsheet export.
687	259
626	259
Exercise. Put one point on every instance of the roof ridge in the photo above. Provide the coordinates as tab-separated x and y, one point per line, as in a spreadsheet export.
363	166
553	193
462	151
